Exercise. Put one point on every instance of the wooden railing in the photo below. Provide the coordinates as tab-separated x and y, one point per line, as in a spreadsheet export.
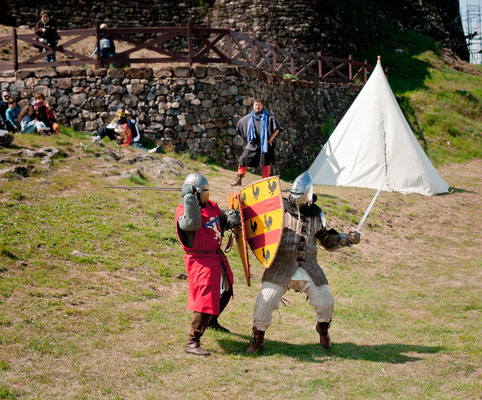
187	44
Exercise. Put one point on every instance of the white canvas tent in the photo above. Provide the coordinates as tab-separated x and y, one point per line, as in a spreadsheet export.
374	147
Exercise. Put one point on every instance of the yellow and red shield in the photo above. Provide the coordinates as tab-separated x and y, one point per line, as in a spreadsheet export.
262	210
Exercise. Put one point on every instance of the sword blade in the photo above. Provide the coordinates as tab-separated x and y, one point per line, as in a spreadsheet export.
362	221
158	189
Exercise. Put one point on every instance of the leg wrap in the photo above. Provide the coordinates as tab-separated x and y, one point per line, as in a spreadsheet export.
198	326
266	302
319	297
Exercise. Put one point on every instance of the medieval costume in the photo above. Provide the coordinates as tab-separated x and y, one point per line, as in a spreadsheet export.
200	224
258	128
295	266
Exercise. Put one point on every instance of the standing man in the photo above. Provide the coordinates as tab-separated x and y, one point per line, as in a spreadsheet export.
46	30
295	266
259	128
200	225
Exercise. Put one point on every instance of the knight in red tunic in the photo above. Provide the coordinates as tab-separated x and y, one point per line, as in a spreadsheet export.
200	224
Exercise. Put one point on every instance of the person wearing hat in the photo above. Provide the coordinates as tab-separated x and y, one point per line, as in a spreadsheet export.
117	130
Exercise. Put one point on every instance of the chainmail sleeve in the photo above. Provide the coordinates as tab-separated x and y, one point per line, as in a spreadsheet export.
190	221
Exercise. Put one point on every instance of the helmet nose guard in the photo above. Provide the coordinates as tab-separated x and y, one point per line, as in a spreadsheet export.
201	185
302	190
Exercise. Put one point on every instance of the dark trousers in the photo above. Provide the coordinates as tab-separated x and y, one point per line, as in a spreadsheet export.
107	132
200	321
10	126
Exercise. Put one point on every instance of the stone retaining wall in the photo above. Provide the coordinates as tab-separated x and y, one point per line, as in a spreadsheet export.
191	109
336	27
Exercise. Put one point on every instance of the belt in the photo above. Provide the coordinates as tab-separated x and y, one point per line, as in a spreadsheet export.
202	252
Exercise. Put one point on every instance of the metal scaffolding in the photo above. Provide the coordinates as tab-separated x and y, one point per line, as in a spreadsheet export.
473	31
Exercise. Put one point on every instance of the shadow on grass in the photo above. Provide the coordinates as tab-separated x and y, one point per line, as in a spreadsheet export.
392	353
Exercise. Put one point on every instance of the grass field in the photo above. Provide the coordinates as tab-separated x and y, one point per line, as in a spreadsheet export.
91	306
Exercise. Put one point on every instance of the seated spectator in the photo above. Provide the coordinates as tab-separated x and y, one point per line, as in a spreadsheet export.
46	30
45	114
106	44
117	130
6	138
28	123
4	105
136	134
12	116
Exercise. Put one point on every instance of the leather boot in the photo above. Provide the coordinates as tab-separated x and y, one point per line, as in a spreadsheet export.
223	302
322	329
257	342
193	347
198	326
214	324
238	181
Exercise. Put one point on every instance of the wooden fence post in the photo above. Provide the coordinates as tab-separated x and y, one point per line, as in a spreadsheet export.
320	67
253	53
228	39
350	77
189	41
14	49
292	62
97	45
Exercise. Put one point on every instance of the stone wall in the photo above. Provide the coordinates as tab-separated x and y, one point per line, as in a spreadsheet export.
341	27
81	14
191	109
336	27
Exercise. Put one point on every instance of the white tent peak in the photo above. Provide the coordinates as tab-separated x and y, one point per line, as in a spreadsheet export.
374	147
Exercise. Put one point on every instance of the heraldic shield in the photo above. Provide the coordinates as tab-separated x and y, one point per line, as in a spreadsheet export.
262	210
240	232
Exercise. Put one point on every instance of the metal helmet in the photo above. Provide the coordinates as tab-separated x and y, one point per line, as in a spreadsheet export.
302	190
201	186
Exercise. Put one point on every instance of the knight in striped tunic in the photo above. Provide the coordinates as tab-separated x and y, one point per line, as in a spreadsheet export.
295	266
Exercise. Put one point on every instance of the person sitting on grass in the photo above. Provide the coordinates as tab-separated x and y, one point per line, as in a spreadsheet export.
28	123
136	134
4	105
45	114
117	130
11	116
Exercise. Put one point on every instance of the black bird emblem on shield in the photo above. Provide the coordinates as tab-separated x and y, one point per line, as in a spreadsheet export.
255	190
268	222
272	186
266	255
253	225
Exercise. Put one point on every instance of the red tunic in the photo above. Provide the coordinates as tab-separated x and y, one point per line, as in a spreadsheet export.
204	270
